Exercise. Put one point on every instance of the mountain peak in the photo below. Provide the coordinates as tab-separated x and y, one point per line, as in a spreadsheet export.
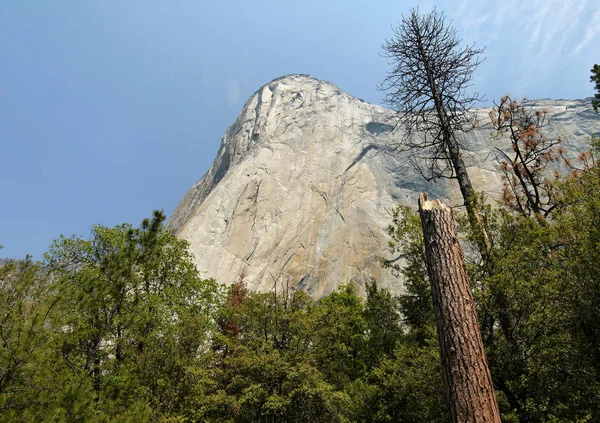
293	85
296	79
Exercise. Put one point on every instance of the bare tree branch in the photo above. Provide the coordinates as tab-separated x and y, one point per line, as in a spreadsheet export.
428	88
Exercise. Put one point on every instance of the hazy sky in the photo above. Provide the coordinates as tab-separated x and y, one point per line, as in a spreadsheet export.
110	109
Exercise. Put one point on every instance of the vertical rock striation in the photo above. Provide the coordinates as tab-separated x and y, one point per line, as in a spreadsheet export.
303	186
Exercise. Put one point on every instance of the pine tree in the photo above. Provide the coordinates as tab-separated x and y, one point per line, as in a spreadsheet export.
596	79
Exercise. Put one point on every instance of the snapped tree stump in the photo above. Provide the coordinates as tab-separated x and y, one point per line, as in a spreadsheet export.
469	391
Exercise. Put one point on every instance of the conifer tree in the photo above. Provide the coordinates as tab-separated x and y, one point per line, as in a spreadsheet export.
596	79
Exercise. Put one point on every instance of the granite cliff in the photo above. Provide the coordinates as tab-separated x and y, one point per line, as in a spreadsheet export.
304	182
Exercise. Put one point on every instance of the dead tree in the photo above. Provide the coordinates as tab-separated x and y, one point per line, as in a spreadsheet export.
469	391
427	88
531	166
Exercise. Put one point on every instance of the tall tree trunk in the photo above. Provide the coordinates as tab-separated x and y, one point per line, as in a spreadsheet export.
469	391
452	147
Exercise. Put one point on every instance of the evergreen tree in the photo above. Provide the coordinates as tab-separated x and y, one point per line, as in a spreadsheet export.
595	78
263	366
27	342
134	313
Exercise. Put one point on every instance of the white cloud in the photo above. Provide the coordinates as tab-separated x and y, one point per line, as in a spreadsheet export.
479	21
462	8
529	43
593	29
573	25
505	12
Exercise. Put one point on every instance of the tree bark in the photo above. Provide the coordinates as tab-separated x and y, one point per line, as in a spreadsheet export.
469	391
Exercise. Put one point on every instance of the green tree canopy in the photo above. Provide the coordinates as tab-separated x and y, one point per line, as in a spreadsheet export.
595	78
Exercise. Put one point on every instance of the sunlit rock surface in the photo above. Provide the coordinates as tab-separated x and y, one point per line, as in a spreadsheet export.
302	189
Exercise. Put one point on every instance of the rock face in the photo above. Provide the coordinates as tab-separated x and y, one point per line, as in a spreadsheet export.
304	183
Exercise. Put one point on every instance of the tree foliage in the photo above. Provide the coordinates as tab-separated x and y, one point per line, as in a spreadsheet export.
595	78
119	327
528	184
105	329
27	305
537	297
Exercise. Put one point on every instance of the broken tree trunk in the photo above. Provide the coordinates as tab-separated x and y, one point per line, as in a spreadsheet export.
469	391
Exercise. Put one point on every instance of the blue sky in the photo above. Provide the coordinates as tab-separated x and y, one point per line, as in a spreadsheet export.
111	109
